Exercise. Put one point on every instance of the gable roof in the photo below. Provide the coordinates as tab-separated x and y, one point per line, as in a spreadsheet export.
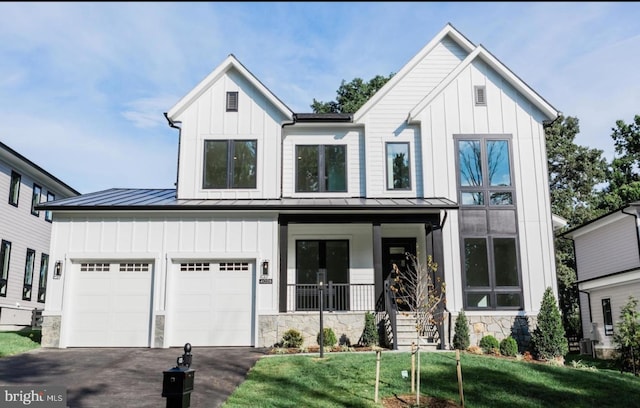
448	30
230	62
602	220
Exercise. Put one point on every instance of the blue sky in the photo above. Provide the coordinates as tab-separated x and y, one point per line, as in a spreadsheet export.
83	86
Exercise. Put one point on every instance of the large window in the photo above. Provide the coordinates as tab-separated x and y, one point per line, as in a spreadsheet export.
607	316
398	166
42	282
330	257
230	164
14	188
28	274
35	199
321	168
47	214
5	255
488	225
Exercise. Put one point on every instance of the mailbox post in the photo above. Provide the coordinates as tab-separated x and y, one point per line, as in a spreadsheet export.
177	383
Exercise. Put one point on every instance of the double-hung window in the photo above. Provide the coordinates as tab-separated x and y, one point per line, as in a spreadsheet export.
398	166
5	255
28	274
35	199
321	168
488	225
42	282
230	164
14	188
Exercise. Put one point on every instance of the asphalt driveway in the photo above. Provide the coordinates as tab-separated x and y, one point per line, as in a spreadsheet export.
129	377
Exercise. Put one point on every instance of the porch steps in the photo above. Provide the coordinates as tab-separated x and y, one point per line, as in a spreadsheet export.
406	334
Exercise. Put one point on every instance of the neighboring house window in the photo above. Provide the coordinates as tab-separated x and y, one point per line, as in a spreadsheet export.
42	282
230	164
398	166
608	317
28	274
488	225
14	189
47	214
321	168
232	101
5	255
35	200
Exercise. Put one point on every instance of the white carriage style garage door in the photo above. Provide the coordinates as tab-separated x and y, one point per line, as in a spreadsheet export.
212	304
110	305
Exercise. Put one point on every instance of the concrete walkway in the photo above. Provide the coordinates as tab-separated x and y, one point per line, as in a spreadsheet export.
129	378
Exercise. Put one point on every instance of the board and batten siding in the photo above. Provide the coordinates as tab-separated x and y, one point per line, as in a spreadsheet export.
508	113
207	119
352	138
608	249
164	239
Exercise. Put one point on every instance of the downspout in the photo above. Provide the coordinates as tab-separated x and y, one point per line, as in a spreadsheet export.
173	125
637	226
293	122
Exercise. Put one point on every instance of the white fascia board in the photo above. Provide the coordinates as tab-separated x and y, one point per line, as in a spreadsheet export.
609	281
202	87
597	224
461	40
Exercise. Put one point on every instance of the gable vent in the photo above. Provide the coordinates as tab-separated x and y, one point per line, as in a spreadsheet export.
481	95
232	101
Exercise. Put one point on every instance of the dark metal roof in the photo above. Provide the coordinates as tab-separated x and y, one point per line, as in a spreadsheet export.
118	199
323	117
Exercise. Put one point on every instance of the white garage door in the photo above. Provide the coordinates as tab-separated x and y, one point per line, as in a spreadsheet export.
110	305
212	304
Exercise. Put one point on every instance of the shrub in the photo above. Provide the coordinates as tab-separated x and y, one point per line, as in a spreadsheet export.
548	340
627	337
461	337
370	332
489	343
292	339
509	347
329	337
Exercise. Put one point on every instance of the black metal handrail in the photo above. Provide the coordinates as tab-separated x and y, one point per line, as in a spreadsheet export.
392	310
354	297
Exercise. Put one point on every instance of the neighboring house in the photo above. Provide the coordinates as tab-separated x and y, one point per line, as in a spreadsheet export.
607	254
25	234
447	159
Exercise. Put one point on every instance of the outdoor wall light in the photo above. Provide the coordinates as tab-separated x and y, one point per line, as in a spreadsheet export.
57	270
265	267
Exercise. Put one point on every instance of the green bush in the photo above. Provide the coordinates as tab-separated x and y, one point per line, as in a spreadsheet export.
461	337
370	332
330	339
292	339
627	337
509	347
489	343
548	340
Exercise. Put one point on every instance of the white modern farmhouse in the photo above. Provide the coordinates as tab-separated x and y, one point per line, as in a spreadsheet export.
447	159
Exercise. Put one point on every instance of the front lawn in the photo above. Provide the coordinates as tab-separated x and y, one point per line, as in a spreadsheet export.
348	380
16	342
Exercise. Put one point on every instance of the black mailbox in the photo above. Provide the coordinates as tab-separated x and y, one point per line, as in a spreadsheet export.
177	383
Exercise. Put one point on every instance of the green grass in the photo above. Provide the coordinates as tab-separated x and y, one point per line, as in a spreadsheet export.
348	380
16	342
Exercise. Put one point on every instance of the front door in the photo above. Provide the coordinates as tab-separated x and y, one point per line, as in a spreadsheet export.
394	251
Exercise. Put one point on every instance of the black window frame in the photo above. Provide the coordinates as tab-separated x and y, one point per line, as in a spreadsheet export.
322	168
5	266
35	199
232	101
388	169
607	317
29	265
42	278
230	164
48	215
14	188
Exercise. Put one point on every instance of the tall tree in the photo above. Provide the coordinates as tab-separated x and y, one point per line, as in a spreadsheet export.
351	95
574	173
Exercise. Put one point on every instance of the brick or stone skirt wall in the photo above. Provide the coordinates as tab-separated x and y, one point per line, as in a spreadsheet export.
501	327
50	331
348	327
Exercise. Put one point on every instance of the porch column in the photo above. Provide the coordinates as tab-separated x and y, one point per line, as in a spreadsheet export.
284	244
435	247
377	260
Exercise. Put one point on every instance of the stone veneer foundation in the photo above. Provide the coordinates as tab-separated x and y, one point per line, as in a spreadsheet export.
501	327
50	331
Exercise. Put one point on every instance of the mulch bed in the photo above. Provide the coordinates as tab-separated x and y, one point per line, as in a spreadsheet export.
316	349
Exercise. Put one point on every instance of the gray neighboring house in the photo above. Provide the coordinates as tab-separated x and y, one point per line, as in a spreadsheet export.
25	234
607	251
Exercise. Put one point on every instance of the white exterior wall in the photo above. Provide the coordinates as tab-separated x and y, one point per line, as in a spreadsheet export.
25	231
611	248
207	119
507	113
163	239
352	138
